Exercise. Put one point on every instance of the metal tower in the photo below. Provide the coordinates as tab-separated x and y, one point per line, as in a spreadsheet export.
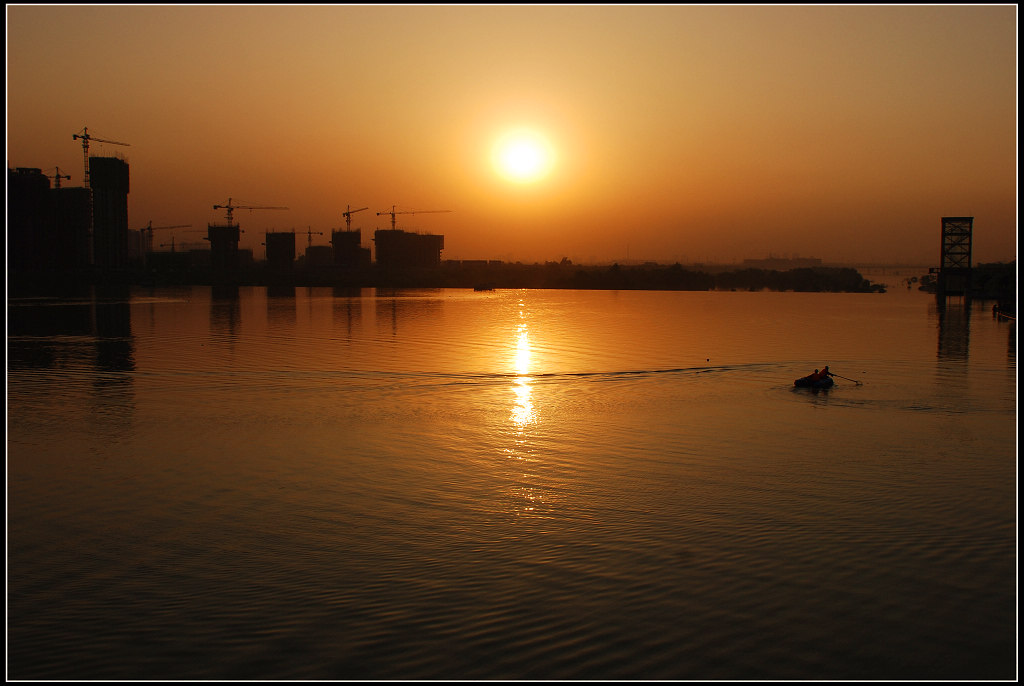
955	267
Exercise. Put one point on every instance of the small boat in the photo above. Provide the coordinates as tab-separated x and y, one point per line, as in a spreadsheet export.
808	382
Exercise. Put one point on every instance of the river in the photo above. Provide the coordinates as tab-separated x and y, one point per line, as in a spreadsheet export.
514	484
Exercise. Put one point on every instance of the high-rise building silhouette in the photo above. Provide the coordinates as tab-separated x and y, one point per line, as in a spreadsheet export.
280	251
47	228
28	192
69	211
108	178
403	250
348	250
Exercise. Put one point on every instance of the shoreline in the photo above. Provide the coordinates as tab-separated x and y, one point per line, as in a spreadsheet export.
554	275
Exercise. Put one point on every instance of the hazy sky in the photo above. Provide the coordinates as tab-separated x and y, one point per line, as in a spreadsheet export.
673	132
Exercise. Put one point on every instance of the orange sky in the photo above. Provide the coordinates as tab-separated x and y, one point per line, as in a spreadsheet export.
679	133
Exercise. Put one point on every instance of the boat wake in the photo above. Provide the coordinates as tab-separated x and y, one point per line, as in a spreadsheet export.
600	376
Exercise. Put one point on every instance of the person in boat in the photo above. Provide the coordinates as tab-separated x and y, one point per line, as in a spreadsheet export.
823	374
819	375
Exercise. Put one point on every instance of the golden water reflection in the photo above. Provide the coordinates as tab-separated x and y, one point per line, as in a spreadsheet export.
523	413
526	498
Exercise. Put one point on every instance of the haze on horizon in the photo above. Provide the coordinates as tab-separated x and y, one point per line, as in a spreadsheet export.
666	133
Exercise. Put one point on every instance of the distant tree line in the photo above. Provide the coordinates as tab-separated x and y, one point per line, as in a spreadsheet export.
673	277
479	274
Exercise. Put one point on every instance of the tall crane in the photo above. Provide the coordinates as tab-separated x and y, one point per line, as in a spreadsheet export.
347	214
86	137
57	177
309	235
182	245
393	212
148	230
231	208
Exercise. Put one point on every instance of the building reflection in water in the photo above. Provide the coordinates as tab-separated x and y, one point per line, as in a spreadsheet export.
407	307
225	313
112	325
90	332
281	307
954	337
954	329
92	328
348	309
113	400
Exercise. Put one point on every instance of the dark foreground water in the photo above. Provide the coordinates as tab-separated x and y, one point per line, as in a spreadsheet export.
509	485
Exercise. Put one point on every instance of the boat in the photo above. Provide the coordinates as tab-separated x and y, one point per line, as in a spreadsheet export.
808	382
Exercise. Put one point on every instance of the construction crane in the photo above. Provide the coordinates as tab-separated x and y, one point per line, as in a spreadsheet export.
183	245
57	177
309	235
148	230
231	208
393	212
347	214
86	137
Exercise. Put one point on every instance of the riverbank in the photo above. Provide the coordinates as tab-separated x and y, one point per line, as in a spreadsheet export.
553	275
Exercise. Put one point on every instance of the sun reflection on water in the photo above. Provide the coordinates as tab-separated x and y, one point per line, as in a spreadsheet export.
523	413
523	350
528	494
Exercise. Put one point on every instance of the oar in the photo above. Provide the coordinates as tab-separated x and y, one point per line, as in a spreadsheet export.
843	377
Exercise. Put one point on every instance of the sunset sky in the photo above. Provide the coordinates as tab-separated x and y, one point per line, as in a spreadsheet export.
667	133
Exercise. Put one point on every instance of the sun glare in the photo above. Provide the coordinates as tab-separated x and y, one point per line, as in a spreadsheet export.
523	156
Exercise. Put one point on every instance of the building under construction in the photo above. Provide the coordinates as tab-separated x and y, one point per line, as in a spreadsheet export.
397	249
224	255
28	214
69	247
48	228
223	247
349	252
108	178
280	251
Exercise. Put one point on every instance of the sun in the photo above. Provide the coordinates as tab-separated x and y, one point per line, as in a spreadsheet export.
523	156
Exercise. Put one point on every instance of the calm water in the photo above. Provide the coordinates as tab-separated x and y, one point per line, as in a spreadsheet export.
321	484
